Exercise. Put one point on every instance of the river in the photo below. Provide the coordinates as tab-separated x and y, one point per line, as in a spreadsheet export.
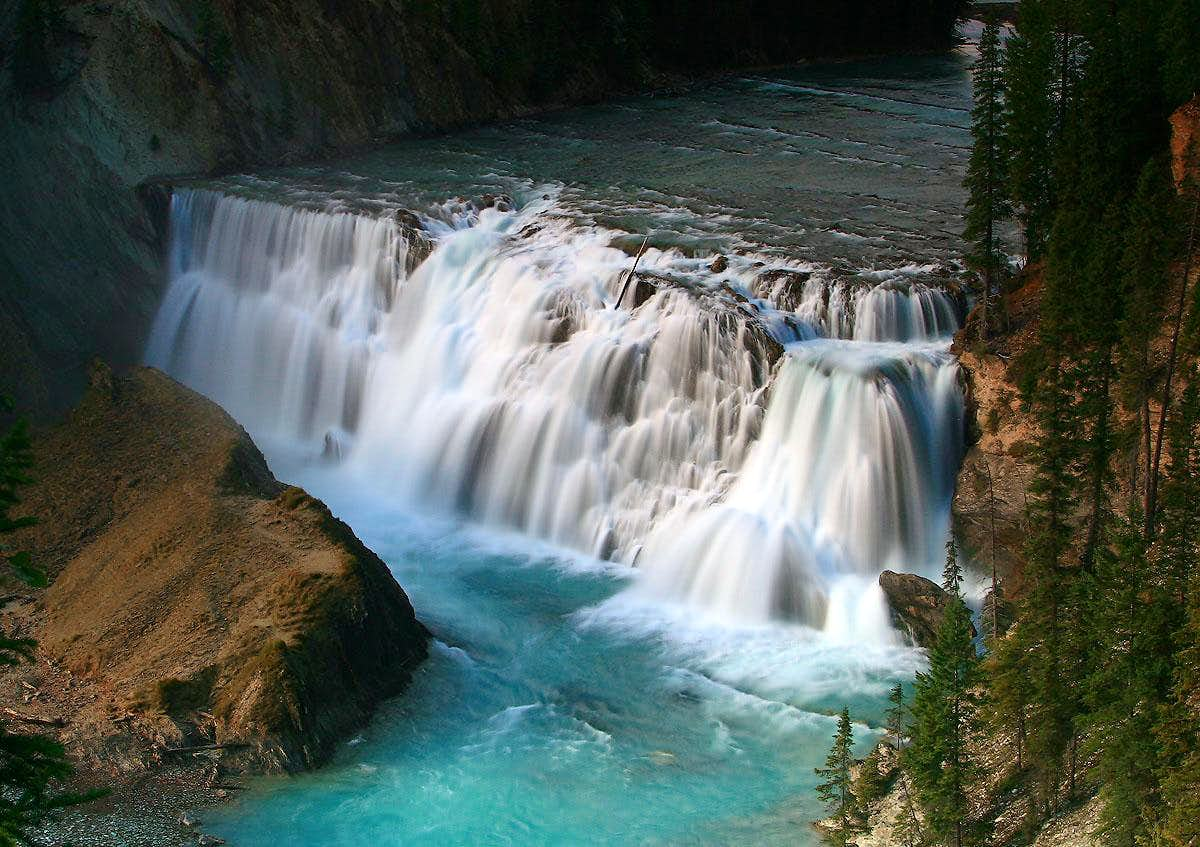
644	530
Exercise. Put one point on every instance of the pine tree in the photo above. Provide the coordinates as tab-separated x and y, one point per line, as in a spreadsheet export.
30	765
1121	691
835	792
895	717
987	169
1178	726
906	828
870	786
952	572
1043	626
945	707
1149	248
1030	121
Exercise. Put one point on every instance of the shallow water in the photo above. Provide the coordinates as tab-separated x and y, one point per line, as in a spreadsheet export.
569	700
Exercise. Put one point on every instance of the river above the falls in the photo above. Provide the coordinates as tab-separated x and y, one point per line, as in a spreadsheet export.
643	521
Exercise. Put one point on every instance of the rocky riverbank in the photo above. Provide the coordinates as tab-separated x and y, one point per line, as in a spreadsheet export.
204	621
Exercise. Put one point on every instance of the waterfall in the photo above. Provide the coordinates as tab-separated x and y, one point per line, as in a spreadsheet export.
747	437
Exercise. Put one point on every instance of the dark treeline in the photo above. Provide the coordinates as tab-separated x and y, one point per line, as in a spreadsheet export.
1094	688
538	45
1096	685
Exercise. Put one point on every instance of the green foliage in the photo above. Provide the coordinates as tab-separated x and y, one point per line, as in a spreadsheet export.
835	790
1030	120
30	765
945	721
1097	681
870	786
952	572
896	722
987	170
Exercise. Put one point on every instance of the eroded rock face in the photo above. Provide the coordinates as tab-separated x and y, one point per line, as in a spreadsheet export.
204	593
917	605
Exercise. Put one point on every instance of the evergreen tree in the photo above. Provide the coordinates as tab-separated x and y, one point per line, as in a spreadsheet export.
987	170
835	791
1040	653
869	788
944	712
1178	727
1123	689
1030	121
895	717
1149	249
30	765
952	572
906	827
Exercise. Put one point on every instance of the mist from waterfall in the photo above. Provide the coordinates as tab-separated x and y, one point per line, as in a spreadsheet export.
759	440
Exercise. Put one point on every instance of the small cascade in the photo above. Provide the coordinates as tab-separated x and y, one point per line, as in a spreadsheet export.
899	308
732	434
852	474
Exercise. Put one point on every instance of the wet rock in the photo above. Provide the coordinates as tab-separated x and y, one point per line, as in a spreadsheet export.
917	605
640	290
719	265
784	288
499	202
418	243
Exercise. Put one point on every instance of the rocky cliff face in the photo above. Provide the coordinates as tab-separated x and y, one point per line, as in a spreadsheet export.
121	92
198	595
993	482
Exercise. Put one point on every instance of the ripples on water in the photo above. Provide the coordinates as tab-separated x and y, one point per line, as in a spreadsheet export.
760	441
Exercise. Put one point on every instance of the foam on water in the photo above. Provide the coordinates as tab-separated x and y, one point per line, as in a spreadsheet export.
503	380
644	529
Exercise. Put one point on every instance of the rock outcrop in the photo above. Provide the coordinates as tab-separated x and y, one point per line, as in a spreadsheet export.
199	594
993	482
917	605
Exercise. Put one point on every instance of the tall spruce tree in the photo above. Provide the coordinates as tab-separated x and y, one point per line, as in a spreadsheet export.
1030	122
31	766
1177	729
945	721
1151	243
895	717
987	169
835	790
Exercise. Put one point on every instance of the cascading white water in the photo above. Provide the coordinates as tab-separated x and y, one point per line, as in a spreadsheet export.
502	380
851	475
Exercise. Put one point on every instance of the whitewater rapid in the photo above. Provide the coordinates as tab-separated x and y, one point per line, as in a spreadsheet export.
760	440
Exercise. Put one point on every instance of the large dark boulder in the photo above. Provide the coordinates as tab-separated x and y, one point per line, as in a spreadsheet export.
917	605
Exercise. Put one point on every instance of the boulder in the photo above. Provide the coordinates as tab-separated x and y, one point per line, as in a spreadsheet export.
917	605
219	604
